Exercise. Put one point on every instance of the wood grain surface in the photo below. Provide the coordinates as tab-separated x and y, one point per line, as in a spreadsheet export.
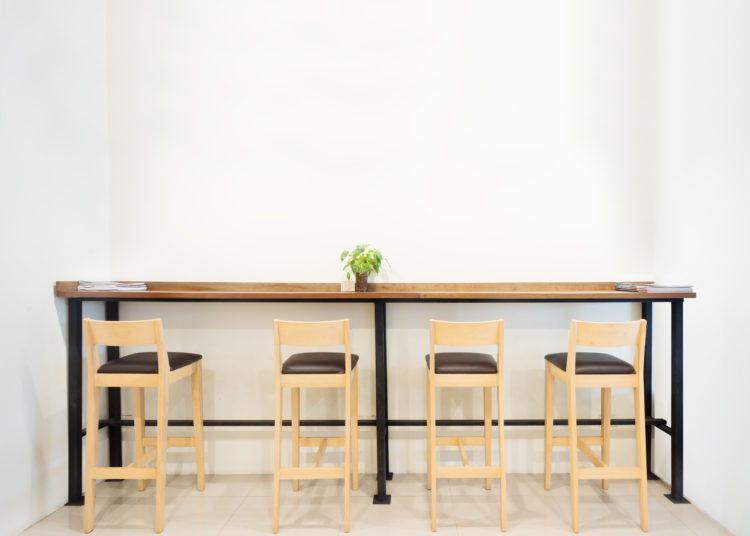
406	291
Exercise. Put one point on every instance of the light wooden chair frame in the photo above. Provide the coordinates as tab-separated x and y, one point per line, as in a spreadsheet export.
327	333
138	333
466	334
602	335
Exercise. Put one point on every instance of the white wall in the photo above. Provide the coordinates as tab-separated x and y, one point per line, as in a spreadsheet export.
54	219
702	224
485	143
482	143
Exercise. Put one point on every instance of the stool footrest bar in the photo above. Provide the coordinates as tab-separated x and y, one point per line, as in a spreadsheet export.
452	441
310	473
591	441
485	471
601	473
316	441
130	473
171	442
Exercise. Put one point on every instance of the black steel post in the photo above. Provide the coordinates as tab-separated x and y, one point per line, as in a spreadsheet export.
388	473
75	401
677	399
114	433
648	384
381	401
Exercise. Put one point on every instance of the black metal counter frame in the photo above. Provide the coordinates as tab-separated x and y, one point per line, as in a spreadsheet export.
114	423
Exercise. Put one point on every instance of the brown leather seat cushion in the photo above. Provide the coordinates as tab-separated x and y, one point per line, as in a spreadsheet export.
317	363
592	363
147	363
463	363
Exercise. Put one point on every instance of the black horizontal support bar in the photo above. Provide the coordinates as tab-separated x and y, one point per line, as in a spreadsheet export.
387	300
524	422
661	424
663	427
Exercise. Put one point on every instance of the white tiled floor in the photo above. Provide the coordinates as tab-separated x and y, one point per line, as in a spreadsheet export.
241	504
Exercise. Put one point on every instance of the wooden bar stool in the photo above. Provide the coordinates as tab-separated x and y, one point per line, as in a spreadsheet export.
604	371
144	369
466	369
315	369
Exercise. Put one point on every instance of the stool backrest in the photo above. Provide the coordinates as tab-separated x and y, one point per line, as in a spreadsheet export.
607	335
123	333
487	333
326	333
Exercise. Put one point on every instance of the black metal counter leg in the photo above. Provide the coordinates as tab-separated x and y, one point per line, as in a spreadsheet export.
381	401
75	402
114	401
388	473
677	406
648	385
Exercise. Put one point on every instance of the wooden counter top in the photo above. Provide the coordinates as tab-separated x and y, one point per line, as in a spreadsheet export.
163	290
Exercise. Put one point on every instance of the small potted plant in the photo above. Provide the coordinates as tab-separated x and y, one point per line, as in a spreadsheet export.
360	261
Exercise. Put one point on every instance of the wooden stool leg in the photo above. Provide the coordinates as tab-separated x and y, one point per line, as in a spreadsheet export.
573	453
501	448
161	452
427	429
347	452
487	433
606	418
295	433
139	427
196	384
640	444
355	432
92	433
276	458
433	473
549	407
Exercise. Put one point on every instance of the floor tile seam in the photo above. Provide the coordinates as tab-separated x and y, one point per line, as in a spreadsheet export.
229	518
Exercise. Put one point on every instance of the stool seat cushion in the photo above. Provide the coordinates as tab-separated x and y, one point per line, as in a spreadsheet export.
147	363
463	363
317	363
592	363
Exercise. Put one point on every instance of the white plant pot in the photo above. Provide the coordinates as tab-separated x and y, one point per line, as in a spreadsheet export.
347	286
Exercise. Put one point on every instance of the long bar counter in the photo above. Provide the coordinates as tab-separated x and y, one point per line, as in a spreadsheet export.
379	294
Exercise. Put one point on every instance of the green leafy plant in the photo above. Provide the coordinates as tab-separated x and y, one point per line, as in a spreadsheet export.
362	260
